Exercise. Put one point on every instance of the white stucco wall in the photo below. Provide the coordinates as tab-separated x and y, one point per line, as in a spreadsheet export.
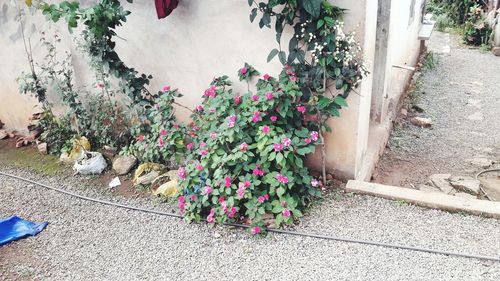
198	41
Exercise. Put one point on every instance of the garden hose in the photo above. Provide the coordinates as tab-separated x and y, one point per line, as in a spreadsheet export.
272	230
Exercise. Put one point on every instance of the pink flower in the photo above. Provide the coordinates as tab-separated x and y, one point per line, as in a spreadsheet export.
100	85
301	109
210	217
243	70
203	152
232	120
163	133
237	100
232	212
286	213
243	146
286	142
181	204
277	147
221	199
176	126
160	142
255	98
189	146
212	110
293	79
199	108
166	88
256	117
210	92
307	140
269	95
314	135
288	72
265	129
283	203
274	118
314	182
261	199
213	135
192	197
208	190
266	196
246	184
240	192
255	230
199	167
181	173
227	182
224	207
203	144
140	137
266	77
282	179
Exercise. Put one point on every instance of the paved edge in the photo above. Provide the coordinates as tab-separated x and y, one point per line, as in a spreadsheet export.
432	200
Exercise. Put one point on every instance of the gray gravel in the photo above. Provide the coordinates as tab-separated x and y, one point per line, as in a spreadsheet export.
462	97
87	241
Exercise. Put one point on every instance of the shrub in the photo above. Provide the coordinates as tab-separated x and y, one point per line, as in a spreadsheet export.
159	138
247	158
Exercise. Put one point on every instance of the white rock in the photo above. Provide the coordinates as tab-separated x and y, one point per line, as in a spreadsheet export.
421	122
441	181
466	184
123	164
492	187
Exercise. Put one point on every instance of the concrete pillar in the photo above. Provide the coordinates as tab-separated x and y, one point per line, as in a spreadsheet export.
382	66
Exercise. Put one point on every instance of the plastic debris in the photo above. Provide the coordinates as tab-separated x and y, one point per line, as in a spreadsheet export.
94	164
114	182
14	228
147	172
168	189
80	146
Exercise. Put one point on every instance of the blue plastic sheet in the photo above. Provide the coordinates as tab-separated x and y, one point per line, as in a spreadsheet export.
14	228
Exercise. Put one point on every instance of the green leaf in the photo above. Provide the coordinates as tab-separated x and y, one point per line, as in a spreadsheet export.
340	101
253	14
282	57
279	157
250	2
313	7
272	54
323	102
320	23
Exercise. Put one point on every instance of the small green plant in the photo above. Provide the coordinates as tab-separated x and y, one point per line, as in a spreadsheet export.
55	131
477	31
430	61
443	22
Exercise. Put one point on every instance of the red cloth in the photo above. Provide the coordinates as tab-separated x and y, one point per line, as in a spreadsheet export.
165	7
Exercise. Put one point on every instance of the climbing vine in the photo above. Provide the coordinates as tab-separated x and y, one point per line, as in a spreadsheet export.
322	58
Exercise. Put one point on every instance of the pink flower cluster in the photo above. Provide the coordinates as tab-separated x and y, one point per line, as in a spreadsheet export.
277	147
286	142
269	96
237	100
314	182
265	129
243	147
258	171
266	77
282	179
255	98
255	230
199	108
274	118
166	88
227	182
263	199
181	173
241	188
181	204
208	190
314	135
211	92
210	217
232	121
256	117
243	70
301	109
286	213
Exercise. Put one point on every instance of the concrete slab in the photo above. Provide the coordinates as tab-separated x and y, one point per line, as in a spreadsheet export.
427	199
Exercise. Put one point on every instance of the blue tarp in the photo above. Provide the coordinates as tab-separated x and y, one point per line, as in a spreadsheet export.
14	228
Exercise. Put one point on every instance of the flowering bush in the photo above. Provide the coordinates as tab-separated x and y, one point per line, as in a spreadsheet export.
159	138
247	159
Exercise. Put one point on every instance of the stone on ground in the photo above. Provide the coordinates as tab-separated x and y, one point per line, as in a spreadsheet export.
480	162
441	181
496	50
3	134
421	122
466	184
492	187
123	164
42	148
465	195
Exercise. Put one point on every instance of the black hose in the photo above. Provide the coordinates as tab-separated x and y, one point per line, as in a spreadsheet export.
272	230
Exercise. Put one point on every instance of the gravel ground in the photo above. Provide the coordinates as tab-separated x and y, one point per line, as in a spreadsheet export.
87	241
462	97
